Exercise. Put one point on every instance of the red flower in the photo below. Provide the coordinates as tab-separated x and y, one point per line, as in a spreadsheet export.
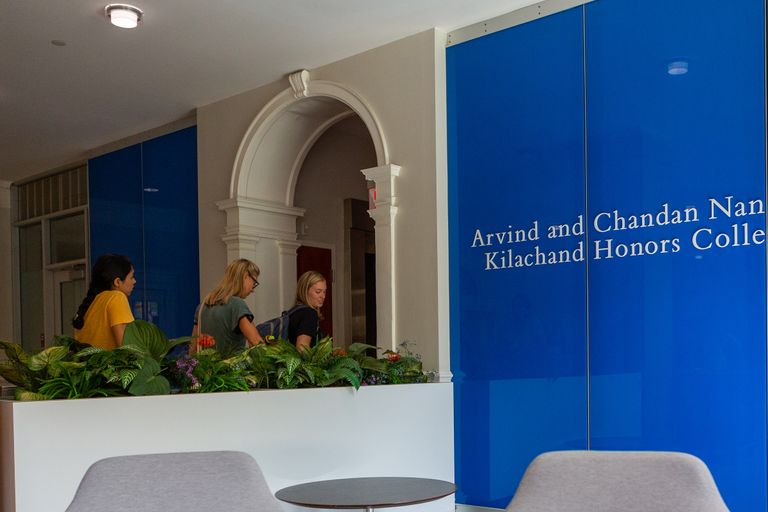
206	340
393	357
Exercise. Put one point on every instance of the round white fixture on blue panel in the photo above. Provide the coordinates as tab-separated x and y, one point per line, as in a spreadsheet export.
123	15
677	67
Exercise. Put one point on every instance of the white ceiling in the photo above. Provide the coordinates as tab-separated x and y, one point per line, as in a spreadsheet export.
57	102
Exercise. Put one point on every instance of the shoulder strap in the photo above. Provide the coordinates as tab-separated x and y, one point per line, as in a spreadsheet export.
294	309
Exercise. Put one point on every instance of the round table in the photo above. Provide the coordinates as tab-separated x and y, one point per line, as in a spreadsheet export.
366	493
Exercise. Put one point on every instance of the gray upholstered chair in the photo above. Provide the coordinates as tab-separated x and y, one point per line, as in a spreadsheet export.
175	482
604	481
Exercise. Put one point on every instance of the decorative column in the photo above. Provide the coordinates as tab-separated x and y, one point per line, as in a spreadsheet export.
287	265
383	214
265	233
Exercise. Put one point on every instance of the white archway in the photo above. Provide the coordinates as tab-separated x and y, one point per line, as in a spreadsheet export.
261	217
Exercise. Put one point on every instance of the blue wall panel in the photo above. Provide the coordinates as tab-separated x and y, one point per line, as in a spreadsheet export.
115	212
671	326
677	339
516	155
143	203
171	230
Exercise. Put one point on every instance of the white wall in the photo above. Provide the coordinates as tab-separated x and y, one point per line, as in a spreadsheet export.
402	82
220	128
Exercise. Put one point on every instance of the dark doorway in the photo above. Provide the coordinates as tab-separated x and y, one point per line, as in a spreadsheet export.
361	244
319	260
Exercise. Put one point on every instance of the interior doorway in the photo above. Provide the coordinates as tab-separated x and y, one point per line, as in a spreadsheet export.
360	245
69	290
320	260
334	195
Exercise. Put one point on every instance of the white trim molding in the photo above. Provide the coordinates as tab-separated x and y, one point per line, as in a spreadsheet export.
299	82
384	214
261	218
250	153
516	17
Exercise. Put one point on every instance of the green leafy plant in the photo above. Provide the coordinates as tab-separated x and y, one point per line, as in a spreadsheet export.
316	366
207	372
401	366
70	369
142	366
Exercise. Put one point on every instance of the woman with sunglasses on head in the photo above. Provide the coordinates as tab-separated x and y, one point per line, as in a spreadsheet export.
104	313
224	315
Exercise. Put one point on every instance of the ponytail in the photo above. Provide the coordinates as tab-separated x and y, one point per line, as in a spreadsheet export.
79	321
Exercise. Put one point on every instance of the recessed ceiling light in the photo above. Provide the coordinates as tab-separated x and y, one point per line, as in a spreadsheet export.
123	15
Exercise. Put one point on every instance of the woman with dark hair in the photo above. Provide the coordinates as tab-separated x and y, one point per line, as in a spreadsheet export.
104	313
304	323
224	314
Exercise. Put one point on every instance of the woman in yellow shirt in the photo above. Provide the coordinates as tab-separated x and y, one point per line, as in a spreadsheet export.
104	313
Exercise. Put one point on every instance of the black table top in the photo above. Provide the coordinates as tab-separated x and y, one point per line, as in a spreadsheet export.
376	492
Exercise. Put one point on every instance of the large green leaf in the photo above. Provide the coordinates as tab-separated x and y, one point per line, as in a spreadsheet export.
14	352
88	351
71	343
46	357
15	372
371	363
357	349
146	337
149	381
127	376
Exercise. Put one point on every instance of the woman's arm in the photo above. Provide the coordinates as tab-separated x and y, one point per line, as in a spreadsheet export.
118	330
249	331
303	341
193	344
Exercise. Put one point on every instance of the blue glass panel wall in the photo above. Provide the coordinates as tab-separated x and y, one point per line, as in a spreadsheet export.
143	203
516	168
677	331
115	212
672	289
171	230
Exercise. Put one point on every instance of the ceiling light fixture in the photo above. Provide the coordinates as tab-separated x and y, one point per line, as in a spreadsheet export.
123	15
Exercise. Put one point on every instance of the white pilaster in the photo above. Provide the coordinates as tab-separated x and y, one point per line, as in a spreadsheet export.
384	214
287	254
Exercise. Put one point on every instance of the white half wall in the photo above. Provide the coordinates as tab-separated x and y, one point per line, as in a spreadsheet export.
296	436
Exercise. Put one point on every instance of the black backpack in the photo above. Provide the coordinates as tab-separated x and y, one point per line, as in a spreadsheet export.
278	327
